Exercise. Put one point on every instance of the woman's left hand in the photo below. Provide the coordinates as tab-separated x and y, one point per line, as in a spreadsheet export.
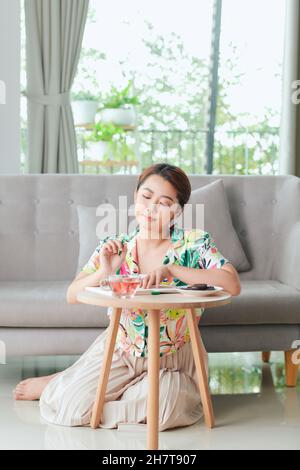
155	277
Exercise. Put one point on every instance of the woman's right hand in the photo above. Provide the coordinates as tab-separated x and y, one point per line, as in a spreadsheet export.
112	255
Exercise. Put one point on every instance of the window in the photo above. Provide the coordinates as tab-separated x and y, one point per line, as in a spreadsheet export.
23	99
163	52
163	48
250	87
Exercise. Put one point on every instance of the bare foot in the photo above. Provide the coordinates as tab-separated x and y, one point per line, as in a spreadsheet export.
31	389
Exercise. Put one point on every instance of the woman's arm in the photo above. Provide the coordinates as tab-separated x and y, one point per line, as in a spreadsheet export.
81	281
103	262
226	277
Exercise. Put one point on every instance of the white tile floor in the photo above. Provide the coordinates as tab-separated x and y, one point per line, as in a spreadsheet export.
253	410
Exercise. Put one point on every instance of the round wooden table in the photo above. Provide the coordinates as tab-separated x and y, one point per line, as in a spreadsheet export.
153	304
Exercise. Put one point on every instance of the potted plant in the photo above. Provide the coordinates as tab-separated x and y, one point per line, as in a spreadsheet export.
84	105
118	107
108	141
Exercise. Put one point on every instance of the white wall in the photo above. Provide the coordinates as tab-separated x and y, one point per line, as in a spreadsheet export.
10	86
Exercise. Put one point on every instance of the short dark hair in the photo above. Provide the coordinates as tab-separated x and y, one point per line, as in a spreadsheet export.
174	175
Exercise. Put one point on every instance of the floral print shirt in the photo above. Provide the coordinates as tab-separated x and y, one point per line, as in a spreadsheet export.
194	248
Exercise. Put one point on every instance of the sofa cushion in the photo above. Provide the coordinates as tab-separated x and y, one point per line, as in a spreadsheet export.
260	302
92	228
86	218
43	304
217	221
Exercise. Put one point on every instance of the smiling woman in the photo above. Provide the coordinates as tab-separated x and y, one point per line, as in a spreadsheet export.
166	254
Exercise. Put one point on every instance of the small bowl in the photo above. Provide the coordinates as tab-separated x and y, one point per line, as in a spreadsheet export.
124	286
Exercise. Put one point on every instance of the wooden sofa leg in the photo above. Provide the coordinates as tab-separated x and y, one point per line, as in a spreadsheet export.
291	369
266	356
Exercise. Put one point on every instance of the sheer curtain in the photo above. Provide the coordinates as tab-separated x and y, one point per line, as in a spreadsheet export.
289	158
54	31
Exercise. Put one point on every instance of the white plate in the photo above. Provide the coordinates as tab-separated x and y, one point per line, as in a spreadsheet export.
99	290
140	290
161	290
199	293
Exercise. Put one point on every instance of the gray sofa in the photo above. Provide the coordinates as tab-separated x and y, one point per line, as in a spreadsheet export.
39	248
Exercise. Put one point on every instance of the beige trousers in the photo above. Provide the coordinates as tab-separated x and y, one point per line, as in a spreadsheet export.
68	398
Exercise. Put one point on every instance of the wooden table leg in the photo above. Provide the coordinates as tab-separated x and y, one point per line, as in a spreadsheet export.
105	367
199	358
266	356
153	374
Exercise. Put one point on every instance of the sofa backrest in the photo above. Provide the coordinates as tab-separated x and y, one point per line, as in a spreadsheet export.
39	237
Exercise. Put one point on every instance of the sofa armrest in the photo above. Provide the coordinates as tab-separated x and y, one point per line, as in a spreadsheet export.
288	269
286	249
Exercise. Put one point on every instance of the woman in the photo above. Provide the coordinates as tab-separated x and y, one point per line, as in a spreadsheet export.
165	253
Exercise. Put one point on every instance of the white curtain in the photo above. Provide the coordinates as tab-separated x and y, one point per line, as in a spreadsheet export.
289	155
54	31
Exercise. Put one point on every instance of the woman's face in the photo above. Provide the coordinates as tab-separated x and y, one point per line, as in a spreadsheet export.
156	205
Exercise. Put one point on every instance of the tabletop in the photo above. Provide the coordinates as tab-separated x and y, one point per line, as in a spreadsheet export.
154	302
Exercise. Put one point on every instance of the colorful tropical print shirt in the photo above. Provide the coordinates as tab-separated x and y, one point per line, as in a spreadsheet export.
192	248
